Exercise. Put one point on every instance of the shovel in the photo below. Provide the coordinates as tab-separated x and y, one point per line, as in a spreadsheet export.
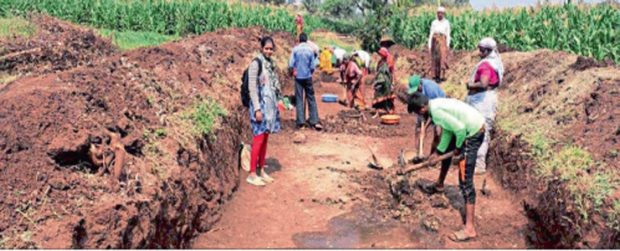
410	157
374	162
424	164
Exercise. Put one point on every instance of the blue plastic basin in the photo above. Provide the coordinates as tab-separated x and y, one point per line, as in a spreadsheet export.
329	98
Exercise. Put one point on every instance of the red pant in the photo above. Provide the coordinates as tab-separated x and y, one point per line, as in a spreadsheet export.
259	150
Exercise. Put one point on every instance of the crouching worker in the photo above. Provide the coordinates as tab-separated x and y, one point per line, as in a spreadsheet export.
431	90
462	129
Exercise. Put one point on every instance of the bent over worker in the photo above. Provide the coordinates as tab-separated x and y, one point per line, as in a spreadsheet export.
461	126
429	89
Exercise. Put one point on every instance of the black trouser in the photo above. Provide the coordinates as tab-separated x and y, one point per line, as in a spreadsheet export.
466	177
305	86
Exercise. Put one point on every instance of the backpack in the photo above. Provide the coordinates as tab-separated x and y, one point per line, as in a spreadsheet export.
245	82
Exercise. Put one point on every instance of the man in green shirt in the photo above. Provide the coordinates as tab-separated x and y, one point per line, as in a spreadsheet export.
461	126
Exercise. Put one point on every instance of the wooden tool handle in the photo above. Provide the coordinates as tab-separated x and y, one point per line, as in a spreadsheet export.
425	163
422	136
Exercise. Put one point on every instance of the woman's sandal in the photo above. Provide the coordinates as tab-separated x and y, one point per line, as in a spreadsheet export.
459	236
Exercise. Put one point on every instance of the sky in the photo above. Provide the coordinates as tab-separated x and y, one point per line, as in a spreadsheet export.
481	4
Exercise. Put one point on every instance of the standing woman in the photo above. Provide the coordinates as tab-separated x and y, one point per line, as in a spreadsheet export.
486	76
299	22
439	44
264	115
383	100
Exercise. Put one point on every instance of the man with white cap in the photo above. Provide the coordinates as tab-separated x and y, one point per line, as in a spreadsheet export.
439	44
487	76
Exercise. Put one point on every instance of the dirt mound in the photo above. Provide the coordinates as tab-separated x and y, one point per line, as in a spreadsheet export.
504	48
57	46
584	63
568	106
64	137
513	164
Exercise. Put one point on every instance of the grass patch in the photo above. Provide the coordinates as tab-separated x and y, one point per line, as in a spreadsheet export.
613	218
323	39
205	117
129	40
16	26
589	182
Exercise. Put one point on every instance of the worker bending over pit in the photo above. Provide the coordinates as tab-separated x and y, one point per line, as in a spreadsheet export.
462	126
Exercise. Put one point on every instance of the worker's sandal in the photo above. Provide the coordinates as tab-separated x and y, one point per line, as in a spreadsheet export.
257	181
265	177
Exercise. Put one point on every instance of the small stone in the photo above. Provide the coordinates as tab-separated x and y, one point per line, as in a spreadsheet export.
299	138
485	192
439	201
431	224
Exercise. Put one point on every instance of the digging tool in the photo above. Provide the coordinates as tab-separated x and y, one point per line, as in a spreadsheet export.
425	164
374	162
410	157
420	158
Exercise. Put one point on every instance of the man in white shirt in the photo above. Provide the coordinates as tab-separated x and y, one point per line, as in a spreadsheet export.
439	44
339	53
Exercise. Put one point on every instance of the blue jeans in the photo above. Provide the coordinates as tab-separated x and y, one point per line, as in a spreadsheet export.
301	86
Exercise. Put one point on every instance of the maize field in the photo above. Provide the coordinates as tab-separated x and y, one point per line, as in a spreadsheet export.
588	31
161	16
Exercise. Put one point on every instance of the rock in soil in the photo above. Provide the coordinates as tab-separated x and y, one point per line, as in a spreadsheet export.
426	186
431	224
439	201
400	185
299	138
453	193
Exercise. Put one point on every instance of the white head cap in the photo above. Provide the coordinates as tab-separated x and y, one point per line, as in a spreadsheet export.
441	9
488	42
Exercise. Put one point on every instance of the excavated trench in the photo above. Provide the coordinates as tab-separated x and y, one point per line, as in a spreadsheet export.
49	124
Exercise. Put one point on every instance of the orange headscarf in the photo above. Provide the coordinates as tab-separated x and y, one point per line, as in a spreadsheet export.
385	55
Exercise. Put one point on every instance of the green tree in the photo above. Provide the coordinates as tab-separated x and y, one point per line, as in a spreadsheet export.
376	22
339	8
312	6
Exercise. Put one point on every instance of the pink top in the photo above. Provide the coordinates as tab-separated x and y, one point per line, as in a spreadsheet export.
352	72
299	20
485	69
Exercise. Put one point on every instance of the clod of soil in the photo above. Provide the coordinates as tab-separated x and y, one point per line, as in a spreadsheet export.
584	63
57	46
431	224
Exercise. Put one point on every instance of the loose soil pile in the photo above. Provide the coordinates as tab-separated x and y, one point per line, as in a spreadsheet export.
57	46
102	156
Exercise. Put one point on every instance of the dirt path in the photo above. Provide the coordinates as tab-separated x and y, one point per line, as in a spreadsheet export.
319	201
